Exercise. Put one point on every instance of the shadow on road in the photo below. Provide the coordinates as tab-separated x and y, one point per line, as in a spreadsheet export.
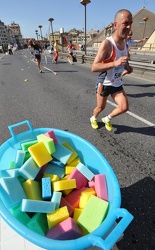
142	130
139	200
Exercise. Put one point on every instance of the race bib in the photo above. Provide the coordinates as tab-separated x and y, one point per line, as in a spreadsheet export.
118	73
36	52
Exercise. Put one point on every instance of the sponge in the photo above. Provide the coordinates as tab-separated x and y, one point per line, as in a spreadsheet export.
19	215
77	212
75	162
41	172
52	135
85	195
57	163
26	145
29	169
65	203
40	154
81	180
9	172
32	189
64	184
57	216
74	197
69	169
20	155
101	186
38	224
48	142
62	153
66	230
85	171
52	169
93	214
56	198
74	154
11	191
36	206
53	177
46	188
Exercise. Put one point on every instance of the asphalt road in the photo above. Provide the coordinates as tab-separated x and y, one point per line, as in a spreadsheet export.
66	101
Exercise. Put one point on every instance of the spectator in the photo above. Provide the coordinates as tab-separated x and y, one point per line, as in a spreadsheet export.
129	42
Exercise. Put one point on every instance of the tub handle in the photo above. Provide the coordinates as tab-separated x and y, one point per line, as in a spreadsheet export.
116	232
11	127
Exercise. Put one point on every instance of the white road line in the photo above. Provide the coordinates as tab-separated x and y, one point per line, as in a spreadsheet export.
2	56
136	116
50	70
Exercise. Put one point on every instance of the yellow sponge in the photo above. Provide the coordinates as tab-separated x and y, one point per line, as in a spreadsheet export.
48	142
40	154
69	169
57	216
77	212
85	195
32	189
75	162
65	177
64	185
74	154
53	177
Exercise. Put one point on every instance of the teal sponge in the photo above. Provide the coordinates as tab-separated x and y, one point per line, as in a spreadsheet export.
11	191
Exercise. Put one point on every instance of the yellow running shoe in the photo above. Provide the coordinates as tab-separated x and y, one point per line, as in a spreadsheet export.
94	123
108	125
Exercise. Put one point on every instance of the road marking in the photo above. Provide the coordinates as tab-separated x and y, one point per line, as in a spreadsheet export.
135	116
50	70
2	56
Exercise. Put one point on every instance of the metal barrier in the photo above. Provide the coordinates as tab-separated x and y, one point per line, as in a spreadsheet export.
146	70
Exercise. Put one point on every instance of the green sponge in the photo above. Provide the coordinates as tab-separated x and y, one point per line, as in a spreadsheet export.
19	215
93	214
38	223
48	142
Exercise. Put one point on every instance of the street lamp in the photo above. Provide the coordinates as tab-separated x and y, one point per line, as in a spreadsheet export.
61	35
145	19
85	2
51	20
40	26
36	31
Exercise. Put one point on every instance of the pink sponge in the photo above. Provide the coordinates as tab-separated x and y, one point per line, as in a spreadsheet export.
101	186
52	135
81	180
65	203
66	230
73	198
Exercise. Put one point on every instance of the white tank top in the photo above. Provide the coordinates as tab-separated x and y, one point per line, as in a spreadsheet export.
113	77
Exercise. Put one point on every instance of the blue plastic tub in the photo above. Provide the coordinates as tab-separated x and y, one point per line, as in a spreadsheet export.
106	235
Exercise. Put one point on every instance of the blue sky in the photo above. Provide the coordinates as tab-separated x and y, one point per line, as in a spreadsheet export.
67	14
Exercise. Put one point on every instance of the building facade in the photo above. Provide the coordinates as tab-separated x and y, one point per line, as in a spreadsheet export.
10	34
3	34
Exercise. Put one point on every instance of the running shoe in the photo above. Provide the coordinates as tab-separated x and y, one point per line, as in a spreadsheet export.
54	61
94	123
40	71
108	125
